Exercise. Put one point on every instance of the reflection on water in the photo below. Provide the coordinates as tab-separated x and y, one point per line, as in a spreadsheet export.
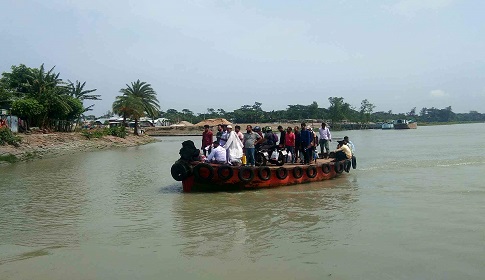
258	223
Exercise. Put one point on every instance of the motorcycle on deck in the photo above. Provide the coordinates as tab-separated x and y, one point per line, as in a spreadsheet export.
272	154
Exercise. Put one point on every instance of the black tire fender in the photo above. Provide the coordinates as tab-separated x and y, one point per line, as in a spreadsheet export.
297	172
243	169
326	168
311	171
339	167
220	172
180	171
347	165
354	162
262	170
281	173
200	166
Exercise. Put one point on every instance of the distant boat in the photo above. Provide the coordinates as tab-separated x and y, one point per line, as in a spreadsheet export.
405	124
387	125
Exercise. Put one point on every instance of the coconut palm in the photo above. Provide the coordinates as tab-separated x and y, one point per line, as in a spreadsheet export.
128	106
77	90
134	95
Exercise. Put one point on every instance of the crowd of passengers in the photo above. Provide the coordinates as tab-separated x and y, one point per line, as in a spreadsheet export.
300	142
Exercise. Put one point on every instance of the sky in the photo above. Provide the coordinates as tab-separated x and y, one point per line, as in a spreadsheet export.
200	54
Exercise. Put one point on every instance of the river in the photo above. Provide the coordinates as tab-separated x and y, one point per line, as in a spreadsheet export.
413	209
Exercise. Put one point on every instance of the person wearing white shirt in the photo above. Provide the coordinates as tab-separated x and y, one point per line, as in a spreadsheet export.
234	147
325	139
218	154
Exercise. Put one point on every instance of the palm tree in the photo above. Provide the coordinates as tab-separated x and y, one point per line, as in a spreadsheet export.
77	90
137	99
128	106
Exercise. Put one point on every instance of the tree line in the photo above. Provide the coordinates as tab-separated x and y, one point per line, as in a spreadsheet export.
338	112
43	99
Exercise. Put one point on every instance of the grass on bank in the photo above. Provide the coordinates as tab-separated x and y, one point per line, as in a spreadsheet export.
8	158
118	131
8	138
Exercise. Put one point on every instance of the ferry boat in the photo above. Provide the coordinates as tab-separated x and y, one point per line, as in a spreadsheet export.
199	176
405	124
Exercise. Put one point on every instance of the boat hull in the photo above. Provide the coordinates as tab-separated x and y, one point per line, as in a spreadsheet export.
212	177
412	125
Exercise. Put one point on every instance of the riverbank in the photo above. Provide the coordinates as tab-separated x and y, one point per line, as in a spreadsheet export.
35	146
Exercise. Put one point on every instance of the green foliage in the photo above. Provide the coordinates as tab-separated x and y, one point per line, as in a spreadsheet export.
338	110
138	99
42	97
8	158
7	137
27	108
366	109
118	131
94	133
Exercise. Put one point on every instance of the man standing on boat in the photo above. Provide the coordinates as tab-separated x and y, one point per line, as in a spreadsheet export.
306	138
234	147
224	135
207	138
325	139
251	139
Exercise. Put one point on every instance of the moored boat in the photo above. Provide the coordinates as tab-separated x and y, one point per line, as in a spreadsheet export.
199	176
405	124
387	125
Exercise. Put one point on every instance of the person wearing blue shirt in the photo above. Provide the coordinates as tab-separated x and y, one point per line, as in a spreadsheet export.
306	138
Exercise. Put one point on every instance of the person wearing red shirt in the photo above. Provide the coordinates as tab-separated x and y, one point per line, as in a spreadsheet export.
290	143
207	140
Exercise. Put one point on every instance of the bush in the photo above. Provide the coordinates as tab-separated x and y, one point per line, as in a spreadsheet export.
118	131
7	137
8	158
94	133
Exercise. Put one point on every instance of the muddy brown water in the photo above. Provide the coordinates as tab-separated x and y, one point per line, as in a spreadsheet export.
414	209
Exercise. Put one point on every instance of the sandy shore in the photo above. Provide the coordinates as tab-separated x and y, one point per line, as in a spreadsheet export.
36	146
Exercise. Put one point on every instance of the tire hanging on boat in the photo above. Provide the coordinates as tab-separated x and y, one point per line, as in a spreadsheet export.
311	171
354	162
262	170
297	172
241	177
347	165
326	168
180	170
279	172
339	167
220	172
198	173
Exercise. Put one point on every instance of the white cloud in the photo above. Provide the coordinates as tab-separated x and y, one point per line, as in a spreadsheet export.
437	93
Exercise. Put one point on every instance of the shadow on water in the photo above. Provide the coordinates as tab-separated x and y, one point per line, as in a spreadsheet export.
173	188
264	222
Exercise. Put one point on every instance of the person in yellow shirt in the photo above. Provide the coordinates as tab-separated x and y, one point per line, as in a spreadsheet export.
343	151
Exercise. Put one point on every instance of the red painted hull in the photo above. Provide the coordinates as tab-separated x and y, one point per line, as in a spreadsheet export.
264	177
